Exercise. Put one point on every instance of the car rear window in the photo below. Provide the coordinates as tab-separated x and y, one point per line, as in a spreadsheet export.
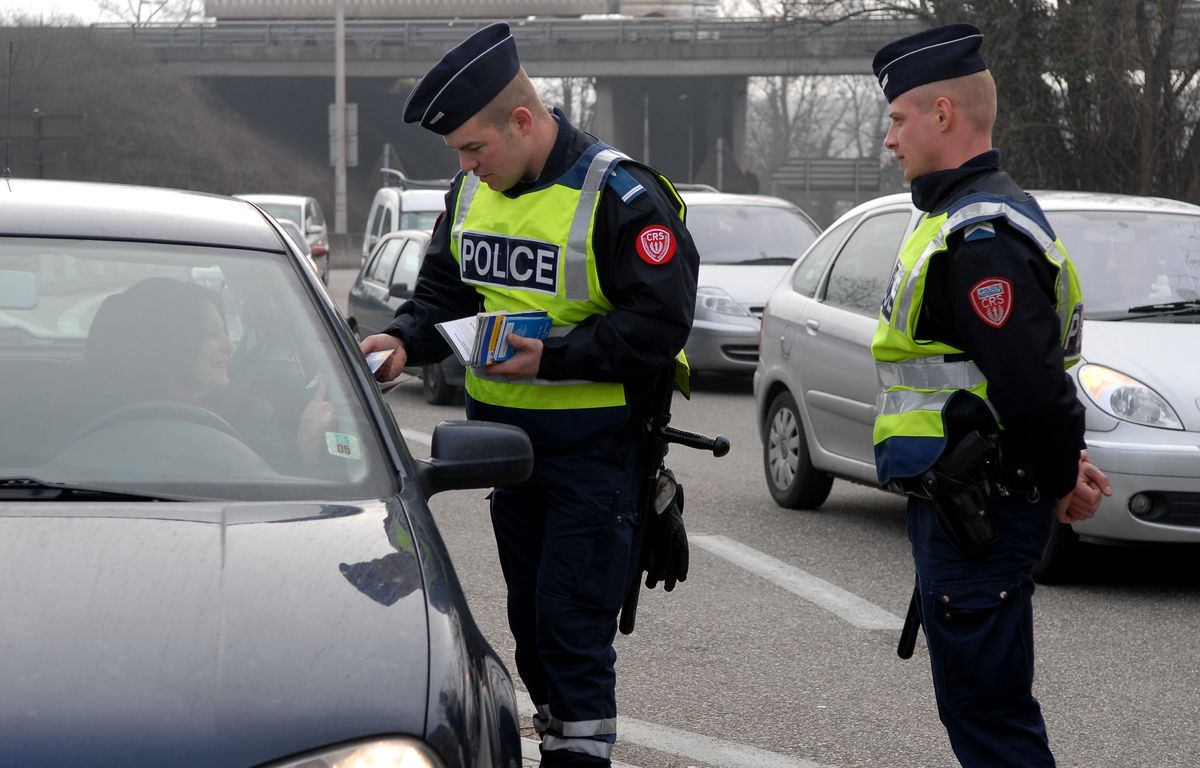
764	234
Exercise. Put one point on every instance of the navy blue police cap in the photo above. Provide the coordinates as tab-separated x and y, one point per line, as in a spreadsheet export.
942	53
464	81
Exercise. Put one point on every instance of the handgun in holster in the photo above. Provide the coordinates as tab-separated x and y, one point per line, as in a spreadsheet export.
958	486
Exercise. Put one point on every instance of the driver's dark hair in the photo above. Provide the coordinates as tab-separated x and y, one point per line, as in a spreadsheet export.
147	338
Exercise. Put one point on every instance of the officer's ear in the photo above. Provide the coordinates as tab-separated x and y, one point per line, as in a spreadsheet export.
521	121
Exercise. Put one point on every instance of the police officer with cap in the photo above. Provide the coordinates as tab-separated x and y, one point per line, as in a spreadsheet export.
545	216
982	318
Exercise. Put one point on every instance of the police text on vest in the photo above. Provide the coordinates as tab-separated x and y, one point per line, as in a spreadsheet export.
509	262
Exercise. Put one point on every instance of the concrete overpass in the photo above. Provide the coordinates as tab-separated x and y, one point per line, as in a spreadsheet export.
671	91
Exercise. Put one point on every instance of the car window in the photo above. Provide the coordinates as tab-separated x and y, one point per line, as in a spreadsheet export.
317	214
808	274
1131	258
178	370
386	226
408	265
858	279
762	234
284	211
389	252
422	220
376	220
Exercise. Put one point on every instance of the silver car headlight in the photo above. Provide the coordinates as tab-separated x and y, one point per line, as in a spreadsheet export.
709	299
1126	398
381	753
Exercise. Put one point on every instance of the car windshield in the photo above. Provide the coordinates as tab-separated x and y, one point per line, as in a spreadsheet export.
747	234
176	371
422	220
1131	259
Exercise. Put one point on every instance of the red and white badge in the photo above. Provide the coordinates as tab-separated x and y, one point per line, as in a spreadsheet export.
992	300
656	244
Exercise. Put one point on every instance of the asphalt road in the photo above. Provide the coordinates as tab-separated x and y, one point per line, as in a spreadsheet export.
779	649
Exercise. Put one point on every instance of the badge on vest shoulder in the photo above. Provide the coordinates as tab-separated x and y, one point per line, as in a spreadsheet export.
509	262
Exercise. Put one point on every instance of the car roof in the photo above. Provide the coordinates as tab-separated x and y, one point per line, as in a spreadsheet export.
414	199
396	234
1055	200
275	199
100	211
696	197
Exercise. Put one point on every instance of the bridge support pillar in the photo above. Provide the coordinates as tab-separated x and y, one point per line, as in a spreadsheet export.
692	129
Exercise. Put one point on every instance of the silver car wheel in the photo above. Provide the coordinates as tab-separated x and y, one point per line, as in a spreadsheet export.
791	477
783	449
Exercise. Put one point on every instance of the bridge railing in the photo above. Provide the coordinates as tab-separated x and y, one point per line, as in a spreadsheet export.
442	34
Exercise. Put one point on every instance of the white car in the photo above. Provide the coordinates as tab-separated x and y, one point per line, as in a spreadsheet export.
404	207
306	212
1138	259
746	244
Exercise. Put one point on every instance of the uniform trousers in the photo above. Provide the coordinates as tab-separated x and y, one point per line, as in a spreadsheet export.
565	538
977	615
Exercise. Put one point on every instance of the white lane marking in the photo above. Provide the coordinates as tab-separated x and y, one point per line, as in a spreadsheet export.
702	749
843	604
413	436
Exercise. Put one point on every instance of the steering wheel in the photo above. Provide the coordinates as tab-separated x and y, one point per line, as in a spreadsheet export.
168	410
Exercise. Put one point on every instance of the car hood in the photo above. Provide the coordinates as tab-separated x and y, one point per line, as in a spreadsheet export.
186	638
749	284
1160	355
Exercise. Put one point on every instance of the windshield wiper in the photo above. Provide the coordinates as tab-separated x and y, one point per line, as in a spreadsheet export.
32	489
1167	308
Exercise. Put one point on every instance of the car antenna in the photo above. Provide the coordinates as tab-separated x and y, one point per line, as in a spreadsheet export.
8	114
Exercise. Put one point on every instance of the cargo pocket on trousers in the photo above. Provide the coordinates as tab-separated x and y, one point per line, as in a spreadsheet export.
979	637
602	583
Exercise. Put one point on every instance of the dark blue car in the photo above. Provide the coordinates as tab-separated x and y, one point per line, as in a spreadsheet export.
215	548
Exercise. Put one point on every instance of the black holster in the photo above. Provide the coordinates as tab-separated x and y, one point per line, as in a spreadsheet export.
959	488
963	509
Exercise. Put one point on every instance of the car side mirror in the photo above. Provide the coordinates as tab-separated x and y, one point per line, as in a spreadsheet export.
475	454
399	291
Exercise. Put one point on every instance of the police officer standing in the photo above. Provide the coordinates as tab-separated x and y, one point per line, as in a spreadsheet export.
982	318
545	216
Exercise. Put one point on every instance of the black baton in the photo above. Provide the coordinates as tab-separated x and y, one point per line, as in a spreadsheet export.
912	623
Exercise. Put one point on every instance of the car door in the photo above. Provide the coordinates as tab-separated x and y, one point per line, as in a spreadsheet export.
376	310
841	386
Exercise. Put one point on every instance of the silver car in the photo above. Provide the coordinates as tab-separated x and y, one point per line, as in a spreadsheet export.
746	243
1139	262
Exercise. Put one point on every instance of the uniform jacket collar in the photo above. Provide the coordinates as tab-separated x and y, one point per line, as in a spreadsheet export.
934	191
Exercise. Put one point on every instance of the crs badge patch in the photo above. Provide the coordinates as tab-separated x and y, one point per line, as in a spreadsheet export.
992	300
655	244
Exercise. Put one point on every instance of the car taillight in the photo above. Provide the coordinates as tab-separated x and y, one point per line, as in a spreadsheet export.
319	250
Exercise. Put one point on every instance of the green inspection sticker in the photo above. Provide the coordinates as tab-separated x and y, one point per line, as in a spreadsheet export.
342	445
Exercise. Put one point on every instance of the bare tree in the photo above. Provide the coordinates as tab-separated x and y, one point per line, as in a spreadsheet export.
145	12
576	96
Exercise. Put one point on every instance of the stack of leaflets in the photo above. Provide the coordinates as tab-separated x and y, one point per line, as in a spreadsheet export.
482	339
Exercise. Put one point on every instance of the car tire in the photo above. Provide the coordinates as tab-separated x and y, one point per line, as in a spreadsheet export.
791	477
1060	560
437	390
